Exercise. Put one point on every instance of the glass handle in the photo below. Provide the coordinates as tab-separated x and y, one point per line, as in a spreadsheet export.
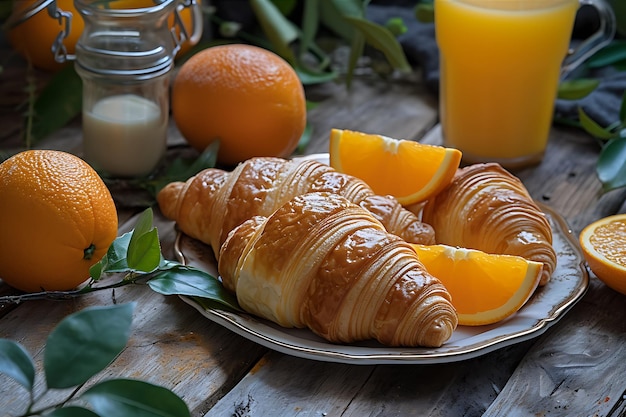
601	38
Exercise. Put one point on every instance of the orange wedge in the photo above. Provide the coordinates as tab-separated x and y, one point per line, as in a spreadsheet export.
407	170
604	247
485	288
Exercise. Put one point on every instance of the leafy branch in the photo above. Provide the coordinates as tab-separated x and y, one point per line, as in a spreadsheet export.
611	164
79	347
137	257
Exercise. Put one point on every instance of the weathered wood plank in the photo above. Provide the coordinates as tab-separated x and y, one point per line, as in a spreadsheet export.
577	367
170	344
401	110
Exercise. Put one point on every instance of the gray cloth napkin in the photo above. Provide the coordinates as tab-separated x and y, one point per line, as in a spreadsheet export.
420	47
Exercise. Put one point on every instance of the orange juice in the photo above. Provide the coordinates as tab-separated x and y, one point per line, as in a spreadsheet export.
500	65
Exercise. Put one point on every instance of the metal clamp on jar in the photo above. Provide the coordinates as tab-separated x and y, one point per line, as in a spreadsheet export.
124	57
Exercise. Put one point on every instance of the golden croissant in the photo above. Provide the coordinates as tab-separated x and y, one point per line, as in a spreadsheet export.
212	203
324	263
487	208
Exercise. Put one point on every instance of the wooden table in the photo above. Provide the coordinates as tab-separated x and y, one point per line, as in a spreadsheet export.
576	368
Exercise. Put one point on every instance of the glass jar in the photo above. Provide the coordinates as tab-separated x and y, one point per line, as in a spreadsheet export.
124	58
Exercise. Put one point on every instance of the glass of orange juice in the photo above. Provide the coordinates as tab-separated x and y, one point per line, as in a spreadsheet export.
501	62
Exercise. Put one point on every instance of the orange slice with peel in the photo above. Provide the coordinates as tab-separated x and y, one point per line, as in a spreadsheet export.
603	243
407	170
485	288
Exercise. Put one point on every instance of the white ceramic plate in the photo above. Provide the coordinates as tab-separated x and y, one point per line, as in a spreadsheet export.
568	284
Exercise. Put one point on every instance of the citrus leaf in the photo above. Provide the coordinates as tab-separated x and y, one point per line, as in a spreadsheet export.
58	103
143	224
382	39
183	280
144	248
72	411
592	127
144	252
577	89
611	165
132	398
115	259
16	363
84	343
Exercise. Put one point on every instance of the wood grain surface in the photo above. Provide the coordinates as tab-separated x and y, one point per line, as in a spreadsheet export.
577	368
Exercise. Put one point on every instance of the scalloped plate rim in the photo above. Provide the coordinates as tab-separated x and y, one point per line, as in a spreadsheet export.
303	343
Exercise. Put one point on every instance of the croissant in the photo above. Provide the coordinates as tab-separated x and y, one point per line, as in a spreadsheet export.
324	263
212	203
487	208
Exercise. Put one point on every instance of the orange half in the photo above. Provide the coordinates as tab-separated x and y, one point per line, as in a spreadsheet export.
485	288
603	243
407	170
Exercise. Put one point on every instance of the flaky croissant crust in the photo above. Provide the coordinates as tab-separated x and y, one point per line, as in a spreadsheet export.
487	208
212	203
322	262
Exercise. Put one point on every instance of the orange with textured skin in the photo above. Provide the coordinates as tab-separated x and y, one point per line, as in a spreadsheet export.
604	246
248	98
57	218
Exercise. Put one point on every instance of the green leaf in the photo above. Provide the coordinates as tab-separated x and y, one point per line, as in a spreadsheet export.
183	280
115	259
622	110
144	249
354	8
309	78
72	411
58	103
143	224
356	51
96	270
144	253
279	30
577	89
84	343
382	39
592	127
310	24
609	55
425	12
16	363
611	165
182	169
332	16
396	26
132	398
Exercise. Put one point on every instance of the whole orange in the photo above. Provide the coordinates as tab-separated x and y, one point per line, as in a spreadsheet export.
57	218
33	38
248	98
